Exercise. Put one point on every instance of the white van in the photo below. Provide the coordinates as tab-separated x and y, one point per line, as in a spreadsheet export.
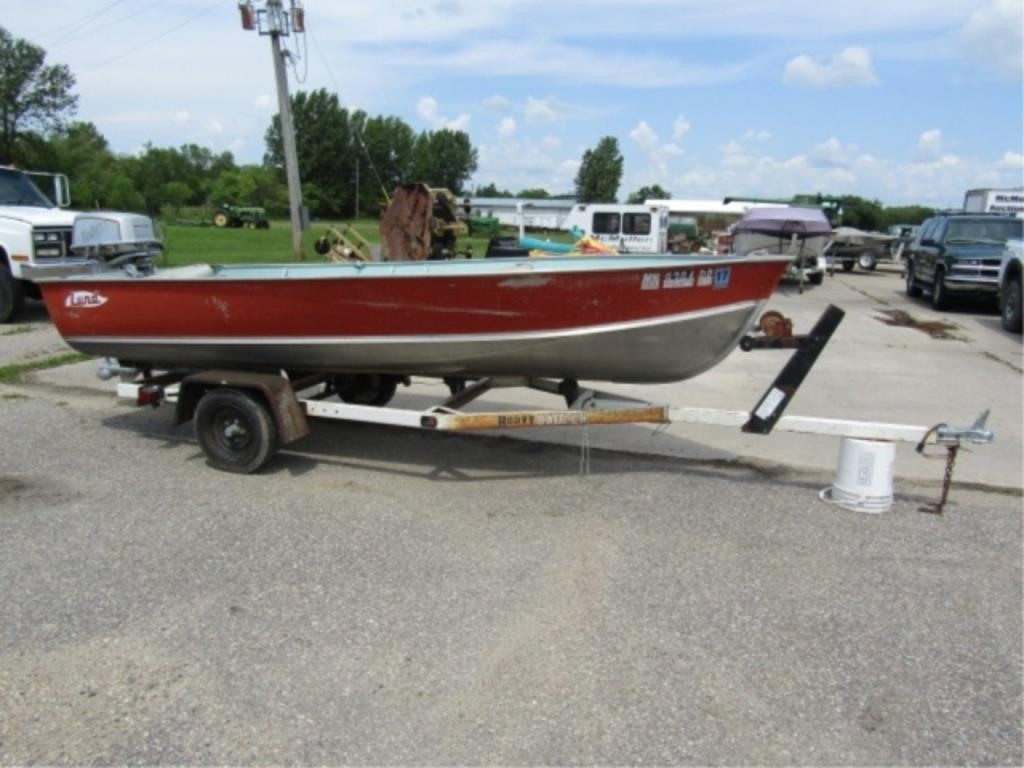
627	228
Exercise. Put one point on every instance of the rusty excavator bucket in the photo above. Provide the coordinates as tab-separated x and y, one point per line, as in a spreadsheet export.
420	223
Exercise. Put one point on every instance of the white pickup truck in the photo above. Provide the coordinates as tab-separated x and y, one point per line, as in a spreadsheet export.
34	231
1010	285
37	240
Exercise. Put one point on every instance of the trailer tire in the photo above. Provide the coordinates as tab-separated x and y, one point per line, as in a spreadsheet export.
235	431
366	388
847	265
867	261
11	296
816	278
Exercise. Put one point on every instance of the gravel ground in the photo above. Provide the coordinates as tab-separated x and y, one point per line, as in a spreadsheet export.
382	596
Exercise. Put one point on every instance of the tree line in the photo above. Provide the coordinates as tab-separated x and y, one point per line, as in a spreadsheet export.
349	161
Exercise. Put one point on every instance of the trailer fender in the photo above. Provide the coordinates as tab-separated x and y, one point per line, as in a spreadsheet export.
274	391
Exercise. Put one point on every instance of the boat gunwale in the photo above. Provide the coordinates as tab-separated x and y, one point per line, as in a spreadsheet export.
475	268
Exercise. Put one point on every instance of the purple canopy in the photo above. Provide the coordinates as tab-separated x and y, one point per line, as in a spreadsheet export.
784	222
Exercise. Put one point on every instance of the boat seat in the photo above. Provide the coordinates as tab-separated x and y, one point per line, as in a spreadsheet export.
184	273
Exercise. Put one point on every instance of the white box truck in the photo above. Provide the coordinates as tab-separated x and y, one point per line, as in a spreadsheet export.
994	201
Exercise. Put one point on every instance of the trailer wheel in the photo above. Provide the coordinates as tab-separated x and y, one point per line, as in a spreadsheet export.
366	388
11	296
816	278
234	430
847	265
867	261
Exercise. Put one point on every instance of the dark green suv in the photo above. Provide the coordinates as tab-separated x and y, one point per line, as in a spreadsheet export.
958	254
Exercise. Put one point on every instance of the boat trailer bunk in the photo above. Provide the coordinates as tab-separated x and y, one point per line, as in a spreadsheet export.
240	418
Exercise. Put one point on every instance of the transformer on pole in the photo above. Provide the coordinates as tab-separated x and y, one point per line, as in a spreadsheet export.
276	22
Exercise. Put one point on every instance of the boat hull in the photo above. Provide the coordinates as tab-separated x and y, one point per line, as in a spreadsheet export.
610	318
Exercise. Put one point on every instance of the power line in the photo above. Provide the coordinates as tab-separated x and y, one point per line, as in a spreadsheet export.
161	36
358	131
114	23
84	21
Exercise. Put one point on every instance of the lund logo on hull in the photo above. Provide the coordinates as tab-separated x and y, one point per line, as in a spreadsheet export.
85	300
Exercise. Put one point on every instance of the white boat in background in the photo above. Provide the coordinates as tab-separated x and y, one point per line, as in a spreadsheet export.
800	233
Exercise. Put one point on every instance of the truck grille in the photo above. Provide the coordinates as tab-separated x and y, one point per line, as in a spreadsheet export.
982	270
51	244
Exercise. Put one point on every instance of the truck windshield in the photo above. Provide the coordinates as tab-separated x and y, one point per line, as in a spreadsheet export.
993	230
17	189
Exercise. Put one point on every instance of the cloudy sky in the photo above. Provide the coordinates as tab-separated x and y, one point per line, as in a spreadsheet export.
906	101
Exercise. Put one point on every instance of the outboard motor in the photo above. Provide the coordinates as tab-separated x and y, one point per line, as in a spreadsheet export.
115	239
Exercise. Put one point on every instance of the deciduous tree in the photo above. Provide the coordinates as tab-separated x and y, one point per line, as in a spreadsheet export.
34	97
600	173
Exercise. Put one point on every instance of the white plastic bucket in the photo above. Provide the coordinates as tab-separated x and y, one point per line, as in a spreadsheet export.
863	481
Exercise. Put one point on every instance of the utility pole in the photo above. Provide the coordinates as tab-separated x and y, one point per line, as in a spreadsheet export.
275	21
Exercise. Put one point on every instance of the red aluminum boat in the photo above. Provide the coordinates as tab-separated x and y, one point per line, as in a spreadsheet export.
626	318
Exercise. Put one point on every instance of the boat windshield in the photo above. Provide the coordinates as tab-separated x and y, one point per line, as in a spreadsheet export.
17	189
994	231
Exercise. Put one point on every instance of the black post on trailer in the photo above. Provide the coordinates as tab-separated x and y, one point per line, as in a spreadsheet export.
772	405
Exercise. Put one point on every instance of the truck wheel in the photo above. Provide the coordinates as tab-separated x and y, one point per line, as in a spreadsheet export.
913	289
11	296
234	430
847	265
220	219
867	261
1010	304
816	278
940	299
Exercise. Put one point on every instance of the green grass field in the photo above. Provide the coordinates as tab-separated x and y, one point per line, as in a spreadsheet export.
190	245
208	245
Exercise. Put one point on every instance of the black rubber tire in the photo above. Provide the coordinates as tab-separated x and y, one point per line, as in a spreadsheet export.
11	296
234	430
366	388
940	299
867	261
816	278
847	265
1010	304
913	289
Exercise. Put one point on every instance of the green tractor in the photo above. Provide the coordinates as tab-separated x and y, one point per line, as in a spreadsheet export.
251	217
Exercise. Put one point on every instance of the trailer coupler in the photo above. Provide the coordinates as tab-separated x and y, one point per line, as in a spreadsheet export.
952	438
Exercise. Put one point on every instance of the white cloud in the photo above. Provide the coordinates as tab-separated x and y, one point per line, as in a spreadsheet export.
507	128
832	153
930	145
645	136
544	110
181	116
498	104
264	101
427	108
680	127
757	135
851	66
993	36
1012	161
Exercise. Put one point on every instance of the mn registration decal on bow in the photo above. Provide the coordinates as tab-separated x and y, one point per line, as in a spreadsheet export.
722	275
85	300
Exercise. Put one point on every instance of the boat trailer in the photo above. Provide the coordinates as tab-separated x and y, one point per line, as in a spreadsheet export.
241	417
